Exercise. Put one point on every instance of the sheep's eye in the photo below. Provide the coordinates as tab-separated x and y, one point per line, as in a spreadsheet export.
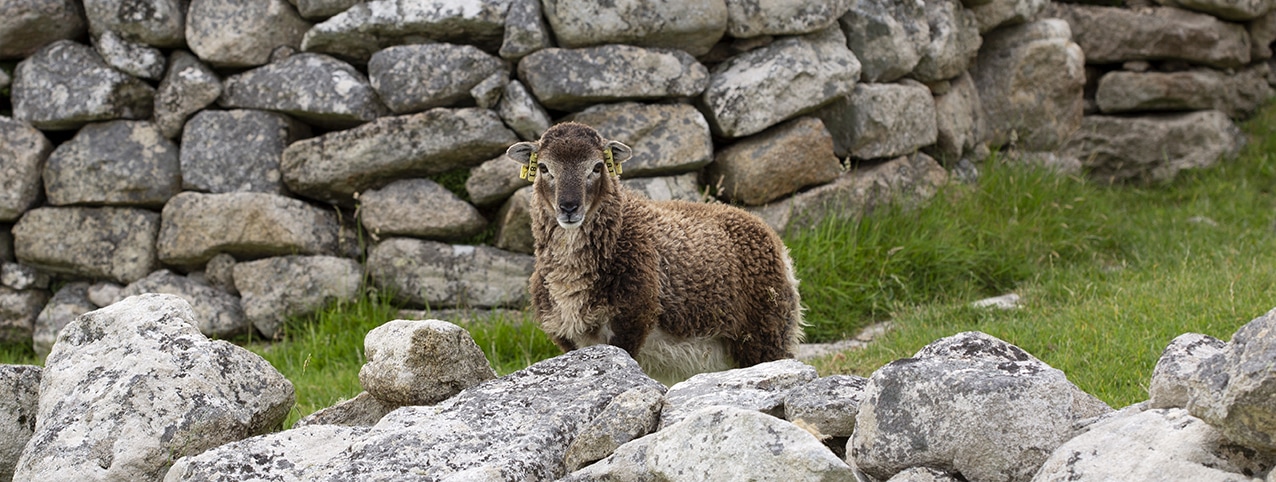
598	168
543	168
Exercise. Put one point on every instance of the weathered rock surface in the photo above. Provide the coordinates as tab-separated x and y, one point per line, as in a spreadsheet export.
666	138
1238	95
828	403
67	304
22	156
421	362
514	223
606	74
1233	10
237	151
363	410
335	166
882	120
217	314
111	243
18	311
969	404
314	88
753	18
419	208
364	28
959	120
413	78
429	273
525	30
775	163
521	112
145	352
693	26
737	444
997	13
631	415
19	397
1153	148
274	289
1239	401
1110	35
133	58
188	87
131	164
154	22
66	85
517	427
493	181
27	25
246	225
954	41
236	34
685	187
761	387
1031	79
887	36
22	277
792	76
322	9
1177	374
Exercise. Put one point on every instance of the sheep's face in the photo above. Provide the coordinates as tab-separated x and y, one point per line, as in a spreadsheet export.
569	168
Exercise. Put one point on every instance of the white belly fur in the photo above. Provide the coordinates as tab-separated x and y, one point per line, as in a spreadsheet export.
671	359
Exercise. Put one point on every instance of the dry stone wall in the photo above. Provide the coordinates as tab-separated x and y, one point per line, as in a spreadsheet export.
262	159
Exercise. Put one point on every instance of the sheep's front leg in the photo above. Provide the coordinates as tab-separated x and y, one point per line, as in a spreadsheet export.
630	329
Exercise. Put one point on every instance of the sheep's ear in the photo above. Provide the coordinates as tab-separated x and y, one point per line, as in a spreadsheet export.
619	152
522	152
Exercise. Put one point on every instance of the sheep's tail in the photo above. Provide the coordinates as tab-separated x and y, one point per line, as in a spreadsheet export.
796	326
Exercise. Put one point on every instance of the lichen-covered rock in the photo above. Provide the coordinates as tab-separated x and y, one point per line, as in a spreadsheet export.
365	28
335	166
761	387
525	30
131	161
792	76
666	138
1262	32
217	314
969	404
753	18
684	187
104	293
959	120
413	78
419	208
493	181
421	362
779	161
521	112
1177	374
887	36
22	156
110	243
429	273
314	88
27	25
1031	79
364	410
1236	94
629	416
514	223
1233	10
322	9
67	304
19	397
188	87
244	224
923	474
954	41
22	277
693	26
731	444
606	74
1153	148
160	23
66	85
18	311
237	151
879	121
275	289
238	34
1110	35
288	453
998	13
829	403
1239	400
133	58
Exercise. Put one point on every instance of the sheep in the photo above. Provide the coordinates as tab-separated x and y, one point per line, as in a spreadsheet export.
684	287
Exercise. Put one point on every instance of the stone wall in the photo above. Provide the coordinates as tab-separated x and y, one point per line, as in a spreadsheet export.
263	158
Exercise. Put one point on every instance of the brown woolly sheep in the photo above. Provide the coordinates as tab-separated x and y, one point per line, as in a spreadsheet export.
684	287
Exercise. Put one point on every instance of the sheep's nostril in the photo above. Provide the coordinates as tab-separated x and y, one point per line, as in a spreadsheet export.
568	208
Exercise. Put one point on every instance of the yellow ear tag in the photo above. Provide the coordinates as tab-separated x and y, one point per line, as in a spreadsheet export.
612	166
528	171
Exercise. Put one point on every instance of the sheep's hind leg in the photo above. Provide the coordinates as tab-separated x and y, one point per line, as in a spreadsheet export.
760	347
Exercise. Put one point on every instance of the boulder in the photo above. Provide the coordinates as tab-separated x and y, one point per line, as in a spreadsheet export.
160	23
1031	79
237	151
517	427
666	138
335	166
525	30
22	156
520	111
493	182
998	13
18	311
1153	148
66	85
1111	35
954	41
487	93
753	18
429	273
188	87
969	404
731	444
19	398
27	25
1262	32
419	208
694	26
246	225
314	88
233	34
131	162
1236	94
322	9
887	36
959	120
218	314
790	77
630	416
775	163
132	387
1240	401
365	28
1160	444
104	293
1177	374
116	244
1233	10
276	289
879	121
683	187
413	78
606	74
421	362
762	387
514	223
364	410
67	304
829	404
220	272
133	58
22	277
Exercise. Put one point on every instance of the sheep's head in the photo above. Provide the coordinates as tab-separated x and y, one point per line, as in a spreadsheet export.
572	168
